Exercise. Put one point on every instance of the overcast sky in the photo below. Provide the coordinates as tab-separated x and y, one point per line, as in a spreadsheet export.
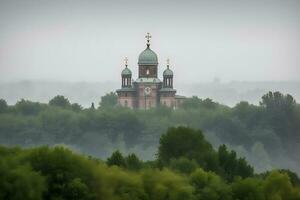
88	40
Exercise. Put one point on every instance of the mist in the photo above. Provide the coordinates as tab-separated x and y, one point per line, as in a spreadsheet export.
222	53
88	40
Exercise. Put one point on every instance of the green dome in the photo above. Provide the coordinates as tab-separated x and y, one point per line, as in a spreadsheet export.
168	72
148	57
126	71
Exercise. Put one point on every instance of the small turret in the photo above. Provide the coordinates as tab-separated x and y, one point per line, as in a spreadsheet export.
168	76
126	75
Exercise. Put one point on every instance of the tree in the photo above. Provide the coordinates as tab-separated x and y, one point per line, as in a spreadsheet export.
116	159
3	106
186	142
183	165
209	186
280	112
278	186
109	100
191	103
27	107
76	107
133	162
233	166
60	101
248	189
77	190
19	181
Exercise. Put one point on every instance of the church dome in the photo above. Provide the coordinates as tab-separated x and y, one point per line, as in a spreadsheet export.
148	57
168	72
126	71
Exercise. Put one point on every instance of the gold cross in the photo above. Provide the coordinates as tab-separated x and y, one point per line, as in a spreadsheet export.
168	61
148	36
126	61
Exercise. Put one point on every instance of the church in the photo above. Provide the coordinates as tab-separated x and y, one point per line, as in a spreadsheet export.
148	91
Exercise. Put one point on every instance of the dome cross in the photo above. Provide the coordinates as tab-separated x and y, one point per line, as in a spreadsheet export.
126	61
168	62
148	37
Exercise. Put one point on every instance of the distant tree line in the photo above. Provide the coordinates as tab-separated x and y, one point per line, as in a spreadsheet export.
269	131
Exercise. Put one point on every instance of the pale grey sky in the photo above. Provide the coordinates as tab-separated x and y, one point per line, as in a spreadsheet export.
88	40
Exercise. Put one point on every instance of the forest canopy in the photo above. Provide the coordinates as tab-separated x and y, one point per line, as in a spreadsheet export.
58	173
267	135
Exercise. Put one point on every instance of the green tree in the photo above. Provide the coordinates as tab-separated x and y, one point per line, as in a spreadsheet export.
278	186
191	103
18	181
109	100
183	165
27	107
3	106
116	159
248	189
76	107
186	142
77	190
233	166
209	186
166	185
60	101
133	162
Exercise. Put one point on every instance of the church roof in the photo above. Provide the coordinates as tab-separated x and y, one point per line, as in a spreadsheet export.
126	71
148	57
168	72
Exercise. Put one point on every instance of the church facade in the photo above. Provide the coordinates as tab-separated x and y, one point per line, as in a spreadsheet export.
147	91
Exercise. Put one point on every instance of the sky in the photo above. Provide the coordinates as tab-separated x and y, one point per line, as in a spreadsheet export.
66	40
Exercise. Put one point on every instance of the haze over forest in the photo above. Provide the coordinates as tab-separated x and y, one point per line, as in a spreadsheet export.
84	93
63	134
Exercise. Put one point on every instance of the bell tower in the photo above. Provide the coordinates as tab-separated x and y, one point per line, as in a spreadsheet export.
126	95
148	61
167	93
126	75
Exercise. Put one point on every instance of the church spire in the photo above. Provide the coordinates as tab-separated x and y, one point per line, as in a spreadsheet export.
168	63
126	61
148	37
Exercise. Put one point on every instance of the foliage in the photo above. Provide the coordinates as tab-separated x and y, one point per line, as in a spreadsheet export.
60	101
248	189
116	159
190	144
109	100
233	166
58	173
133	162
267	132
183	165
193	147
3	106
209	186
